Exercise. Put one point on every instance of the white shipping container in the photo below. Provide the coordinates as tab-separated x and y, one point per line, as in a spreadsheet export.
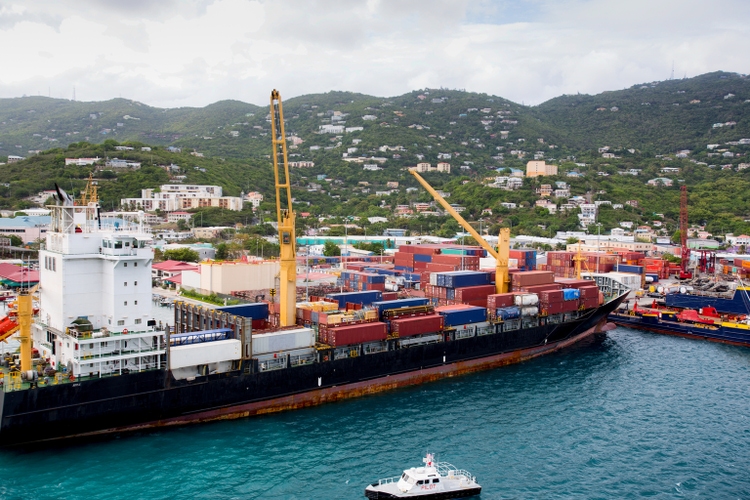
204	353
527	299
433	279
529	311
286	340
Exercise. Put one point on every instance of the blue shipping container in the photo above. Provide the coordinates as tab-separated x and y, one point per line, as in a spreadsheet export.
364	298
397	304
460	279
571	294
464	316
258	310
504	313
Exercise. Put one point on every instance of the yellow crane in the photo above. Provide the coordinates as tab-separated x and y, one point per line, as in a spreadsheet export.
503	244
284	216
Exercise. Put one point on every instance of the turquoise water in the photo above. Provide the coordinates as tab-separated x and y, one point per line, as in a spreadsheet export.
626	415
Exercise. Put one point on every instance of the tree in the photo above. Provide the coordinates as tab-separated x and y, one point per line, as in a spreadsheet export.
222	251
331	249
182	254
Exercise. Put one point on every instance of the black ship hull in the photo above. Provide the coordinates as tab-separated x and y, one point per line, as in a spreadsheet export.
154	398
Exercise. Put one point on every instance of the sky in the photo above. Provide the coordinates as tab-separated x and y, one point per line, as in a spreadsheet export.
175	53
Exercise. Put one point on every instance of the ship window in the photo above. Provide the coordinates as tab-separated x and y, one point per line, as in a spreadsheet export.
138	321
118	244
436	480
125	283
135	264
135	302
135	283
104	344
126	265
127	243
120	322
420	482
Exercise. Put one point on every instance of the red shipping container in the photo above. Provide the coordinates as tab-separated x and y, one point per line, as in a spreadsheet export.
589	291
569	305
541	288
356	334
475	302
575	283
498	300
590	303
419	266
551	308
406	327
526	278
390	295
474	292
551	296
441	268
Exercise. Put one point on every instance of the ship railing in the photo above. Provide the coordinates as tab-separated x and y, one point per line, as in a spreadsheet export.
11	383
388	480
448	470
122	353
302	359
269	364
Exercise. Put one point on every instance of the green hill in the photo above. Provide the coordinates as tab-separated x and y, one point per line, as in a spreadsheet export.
478	134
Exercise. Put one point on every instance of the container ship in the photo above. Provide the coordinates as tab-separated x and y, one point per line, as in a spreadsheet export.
93	361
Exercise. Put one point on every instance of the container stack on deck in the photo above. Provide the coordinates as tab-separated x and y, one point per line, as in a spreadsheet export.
458	296
361	281
525	259
459	287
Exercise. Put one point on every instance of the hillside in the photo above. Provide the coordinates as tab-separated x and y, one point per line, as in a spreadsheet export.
600	137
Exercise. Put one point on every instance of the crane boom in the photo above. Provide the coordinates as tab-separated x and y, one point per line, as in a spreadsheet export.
284	216
503	243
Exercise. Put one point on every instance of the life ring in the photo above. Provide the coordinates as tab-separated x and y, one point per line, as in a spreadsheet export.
72	378
124	331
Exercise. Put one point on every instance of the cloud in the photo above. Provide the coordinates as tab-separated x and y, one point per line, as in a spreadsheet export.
196	52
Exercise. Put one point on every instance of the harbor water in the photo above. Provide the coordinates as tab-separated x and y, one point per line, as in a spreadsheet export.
622	415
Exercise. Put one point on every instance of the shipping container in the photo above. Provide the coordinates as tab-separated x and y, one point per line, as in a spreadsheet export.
506	313
526	299
460	315
284	340
529	311
573	293
540	288
258	310
527	278
364	297
551	296
406	327
356	334
474	292
460	279
548	308
398	304
588	292
499	300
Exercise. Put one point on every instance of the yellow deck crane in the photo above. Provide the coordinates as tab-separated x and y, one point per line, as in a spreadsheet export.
503	244
284	216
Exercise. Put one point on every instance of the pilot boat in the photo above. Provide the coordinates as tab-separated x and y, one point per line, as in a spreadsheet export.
434	481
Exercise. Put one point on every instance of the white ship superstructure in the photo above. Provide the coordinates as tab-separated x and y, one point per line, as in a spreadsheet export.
95	299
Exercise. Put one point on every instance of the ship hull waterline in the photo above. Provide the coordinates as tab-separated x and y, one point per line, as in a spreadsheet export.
155	399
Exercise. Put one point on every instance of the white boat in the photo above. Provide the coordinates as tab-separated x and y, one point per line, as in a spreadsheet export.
434	481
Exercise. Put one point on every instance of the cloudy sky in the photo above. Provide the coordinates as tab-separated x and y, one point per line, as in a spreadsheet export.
171	53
